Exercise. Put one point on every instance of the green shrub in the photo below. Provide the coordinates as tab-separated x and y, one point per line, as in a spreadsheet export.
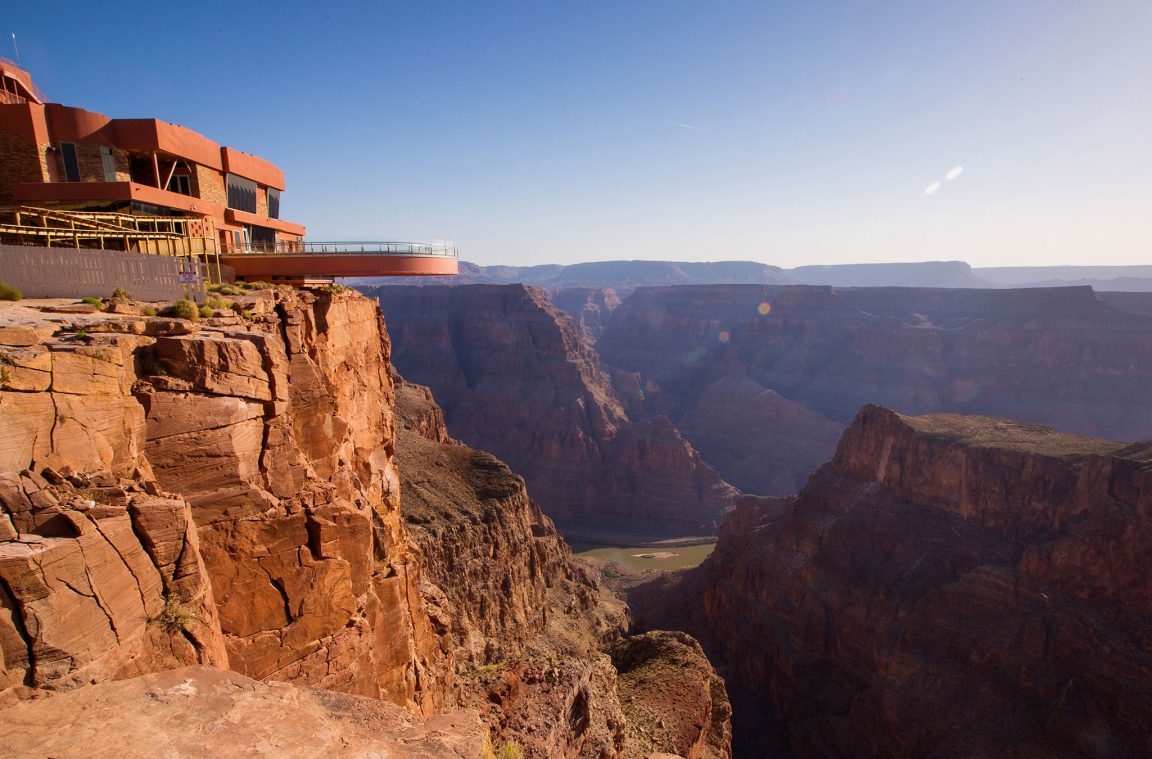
95	302
217	303
259	285
226	289
206	312
81	333
121	294
148	311
8	292
510	750
183	309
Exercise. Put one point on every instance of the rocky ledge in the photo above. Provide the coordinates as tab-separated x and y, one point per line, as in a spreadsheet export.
945	586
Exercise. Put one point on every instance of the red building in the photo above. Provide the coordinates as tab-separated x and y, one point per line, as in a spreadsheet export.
61	158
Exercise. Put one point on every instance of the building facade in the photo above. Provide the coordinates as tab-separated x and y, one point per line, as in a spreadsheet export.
59	157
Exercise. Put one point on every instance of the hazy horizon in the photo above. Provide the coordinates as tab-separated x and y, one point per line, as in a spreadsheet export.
818	133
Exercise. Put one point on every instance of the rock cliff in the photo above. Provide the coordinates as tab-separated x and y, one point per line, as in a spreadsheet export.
228	493
222	495
539	646
945	586
517	377
787	366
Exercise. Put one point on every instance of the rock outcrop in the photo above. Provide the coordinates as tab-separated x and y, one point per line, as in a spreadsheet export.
517	377
239	475
531	631
945	586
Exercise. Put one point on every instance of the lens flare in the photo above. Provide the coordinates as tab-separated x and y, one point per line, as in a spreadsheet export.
953	172
932	189
724	336
764	309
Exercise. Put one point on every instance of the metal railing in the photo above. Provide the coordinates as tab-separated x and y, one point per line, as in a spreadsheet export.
355	247
11	98
32	85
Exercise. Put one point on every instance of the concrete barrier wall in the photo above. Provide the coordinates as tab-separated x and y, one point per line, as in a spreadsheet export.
70	273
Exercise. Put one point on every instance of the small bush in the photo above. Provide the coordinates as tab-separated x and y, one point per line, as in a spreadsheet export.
8	292
95	302
226	289
216	303
175	616
81	333
259	285
510	750
183	309
148	311
206	312
121	294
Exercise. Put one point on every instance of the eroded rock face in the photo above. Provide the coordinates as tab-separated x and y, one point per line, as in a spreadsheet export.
1061	356
197	711
271	510
946	586
517	377
531	630
591	307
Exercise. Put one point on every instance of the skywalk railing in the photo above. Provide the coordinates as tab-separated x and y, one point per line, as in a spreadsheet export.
345	248
35	90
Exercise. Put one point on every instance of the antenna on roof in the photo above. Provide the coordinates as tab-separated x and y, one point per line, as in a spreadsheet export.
18	63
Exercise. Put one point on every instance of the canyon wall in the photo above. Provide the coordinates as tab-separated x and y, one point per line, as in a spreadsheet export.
229	494
220	493
540	648
517	377
781	369
945	586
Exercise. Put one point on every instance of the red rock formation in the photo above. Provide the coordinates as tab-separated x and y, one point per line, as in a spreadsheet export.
947	586
277	435
1061	357
591	307
528	625
517	377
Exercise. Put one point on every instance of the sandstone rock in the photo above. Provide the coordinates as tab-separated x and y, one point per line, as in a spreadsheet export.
23	335
164	327
197	711
72	308
517	377
26	369
935	589
291	560
526	622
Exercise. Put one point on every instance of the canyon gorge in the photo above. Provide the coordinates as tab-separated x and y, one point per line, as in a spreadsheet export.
932	511
181	498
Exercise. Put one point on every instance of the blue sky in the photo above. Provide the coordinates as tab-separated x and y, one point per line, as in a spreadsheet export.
553	132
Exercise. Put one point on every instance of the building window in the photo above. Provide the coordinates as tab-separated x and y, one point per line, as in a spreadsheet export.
273	203
71	165
241	194
180	183
108	158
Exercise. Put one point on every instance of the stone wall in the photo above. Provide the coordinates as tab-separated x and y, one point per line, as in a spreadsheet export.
70	273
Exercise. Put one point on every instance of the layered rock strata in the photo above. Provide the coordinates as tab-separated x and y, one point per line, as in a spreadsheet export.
781	369
256	453
531	631
517	377
945	586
